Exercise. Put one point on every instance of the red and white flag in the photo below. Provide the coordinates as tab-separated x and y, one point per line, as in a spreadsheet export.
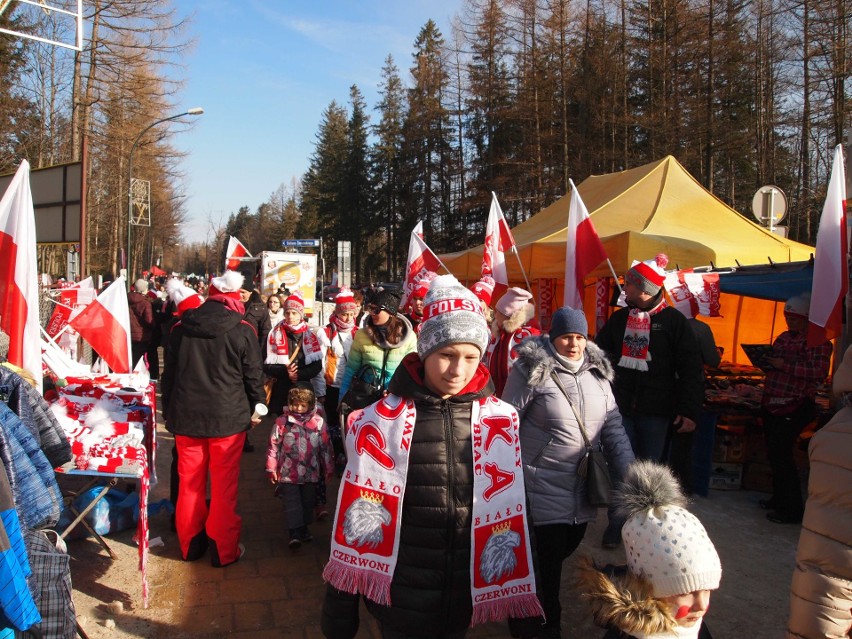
583	250
105	324
19	317
831	274
498	240
694	293
235	251
421	262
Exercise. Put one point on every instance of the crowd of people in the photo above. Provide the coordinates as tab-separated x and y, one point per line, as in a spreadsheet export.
426	408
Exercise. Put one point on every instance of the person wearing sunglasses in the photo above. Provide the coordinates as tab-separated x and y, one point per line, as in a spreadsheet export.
384	339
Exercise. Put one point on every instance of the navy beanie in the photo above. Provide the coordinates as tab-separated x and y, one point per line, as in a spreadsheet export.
568	320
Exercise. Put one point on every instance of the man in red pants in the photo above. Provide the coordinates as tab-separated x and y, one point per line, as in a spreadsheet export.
211	383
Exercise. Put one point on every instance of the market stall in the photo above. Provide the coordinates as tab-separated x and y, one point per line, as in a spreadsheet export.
110	421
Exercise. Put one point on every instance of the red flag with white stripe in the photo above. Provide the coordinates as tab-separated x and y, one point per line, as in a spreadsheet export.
498	240
19	312
235	251
421	262
831	274
105	324
583	250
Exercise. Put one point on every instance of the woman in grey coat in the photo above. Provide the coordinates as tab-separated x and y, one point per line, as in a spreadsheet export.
552	445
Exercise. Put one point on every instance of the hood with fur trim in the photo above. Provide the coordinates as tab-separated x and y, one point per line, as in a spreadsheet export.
518	319
536	356
622	600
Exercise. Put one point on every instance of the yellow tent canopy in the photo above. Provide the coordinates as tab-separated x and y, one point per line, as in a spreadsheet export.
655	208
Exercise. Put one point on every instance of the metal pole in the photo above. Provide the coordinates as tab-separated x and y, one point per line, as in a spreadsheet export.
322	286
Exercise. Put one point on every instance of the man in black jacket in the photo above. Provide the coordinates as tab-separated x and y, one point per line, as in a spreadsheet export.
659	378
257	316
210	386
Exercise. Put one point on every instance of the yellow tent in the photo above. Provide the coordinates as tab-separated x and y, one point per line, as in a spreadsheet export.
655	208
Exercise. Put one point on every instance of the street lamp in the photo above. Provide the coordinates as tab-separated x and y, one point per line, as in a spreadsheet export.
192	111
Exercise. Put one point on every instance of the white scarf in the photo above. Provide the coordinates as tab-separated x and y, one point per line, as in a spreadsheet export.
278	347
366	533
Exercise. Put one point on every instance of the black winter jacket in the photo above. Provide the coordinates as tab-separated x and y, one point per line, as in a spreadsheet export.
431	584
674	382
212	377
258	316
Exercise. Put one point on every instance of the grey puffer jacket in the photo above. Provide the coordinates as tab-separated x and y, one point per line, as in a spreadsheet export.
551	443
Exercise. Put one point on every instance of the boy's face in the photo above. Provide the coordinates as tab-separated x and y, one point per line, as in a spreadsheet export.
298	406
292	316
688	609
449	369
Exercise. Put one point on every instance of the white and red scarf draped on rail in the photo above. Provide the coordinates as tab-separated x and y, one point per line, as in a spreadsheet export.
366	533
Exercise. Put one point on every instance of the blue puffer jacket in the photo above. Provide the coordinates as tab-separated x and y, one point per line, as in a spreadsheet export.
38	499
551	443
30	406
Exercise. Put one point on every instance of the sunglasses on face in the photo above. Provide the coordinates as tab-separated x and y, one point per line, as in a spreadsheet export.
373	309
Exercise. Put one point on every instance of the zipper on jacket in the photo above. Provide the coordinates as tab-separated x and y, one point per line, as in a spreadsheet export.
447	419
535	459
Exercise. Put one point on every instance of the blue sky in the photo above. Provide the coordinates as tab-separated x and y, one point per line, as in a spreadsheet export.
264	72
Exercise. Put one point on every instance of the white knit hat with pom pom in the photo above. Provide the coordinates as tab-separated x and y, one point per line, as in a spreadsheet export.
664	542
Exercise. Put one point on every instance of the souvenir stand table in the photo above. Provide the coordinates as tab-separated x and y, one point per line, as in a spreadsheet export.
111	426
740	460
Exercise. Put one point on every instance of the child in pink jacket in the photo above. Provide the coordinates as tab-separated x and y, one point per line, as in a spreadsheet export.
299	454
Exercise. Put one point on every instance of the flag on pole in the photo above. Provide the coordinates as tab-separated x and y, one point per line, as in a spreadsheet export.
831	274
235	251
421	262
583	250
105	324
498	240
19	317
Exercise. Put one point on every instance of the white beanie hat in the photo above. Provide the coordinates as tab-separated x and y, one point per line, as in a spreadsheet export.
451	315
664	542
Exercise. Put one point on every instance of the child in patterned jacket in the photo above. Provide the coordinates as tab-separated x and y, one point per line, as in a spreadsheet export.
299	454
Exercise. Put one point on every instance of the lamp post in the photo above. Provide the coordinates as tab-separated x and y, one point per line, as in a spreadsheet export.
192	111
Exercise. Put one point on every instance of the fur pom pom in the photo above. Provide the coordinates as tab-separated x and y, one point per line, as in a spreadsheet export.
173	284
646	486
229	282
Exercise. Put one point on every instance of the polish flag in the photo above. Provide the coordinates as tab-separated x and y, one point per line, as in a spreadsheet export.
105	324
421	263
19	316
583	250
235	251
498	240
831	274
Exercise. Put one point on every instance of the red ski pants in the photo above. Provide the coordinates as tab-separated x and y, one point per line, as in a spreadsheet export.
220	457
